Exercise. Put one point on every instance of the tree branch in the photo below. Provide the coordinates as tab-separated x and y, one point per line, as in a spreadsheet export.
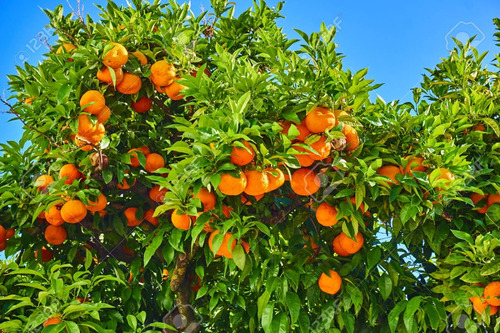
161	105
25	124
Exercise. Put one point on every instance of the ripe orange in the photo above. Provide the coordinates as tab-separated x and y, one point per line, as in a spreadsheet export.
207	198
493	199
326	215
305	160
125	185
242	156
320	119
142	105
479	127
103	116
174	89
85	127
2	234
29	100
491	293
156	194
305	182
66	47
148	216
348	245
154	162
414	164
10	233
132	220
98	134
43	181
276	178
104	75
224	248
230	185
226	211
73	211
330	283
52	321
447	175
337	248
53	216
361	207
480	305
71	172
165	274
140	56
98	205
55	235
180	221
134	161
130	84
322	148
116	57
47	255
257	182
476	197
339	114
95	101
302	128
390	171
351	137
162	73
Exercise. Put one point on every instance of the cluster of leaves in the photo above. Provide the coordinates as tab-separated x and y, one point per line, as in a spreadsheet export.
437	243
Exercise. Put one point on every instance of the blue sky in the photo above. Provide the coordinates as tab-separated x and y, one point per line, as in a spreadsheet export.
396	40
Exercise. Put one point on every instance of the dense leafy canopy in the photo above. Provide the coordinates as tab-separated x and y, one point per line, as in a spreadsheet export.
419	194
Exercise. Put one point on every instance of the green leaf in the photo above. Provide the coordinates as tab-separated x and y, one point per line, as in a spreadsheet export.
433	315
107	175
239	256
293	303
412	307
304	322
393	317
262	302
63	92
408	212
493	124
372	259
151	249
267	317
132	322
385	286
349	320
491	267
463	236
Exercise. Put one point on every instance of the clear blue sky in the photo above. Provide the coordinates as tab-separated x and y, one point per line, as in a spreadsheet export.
396	40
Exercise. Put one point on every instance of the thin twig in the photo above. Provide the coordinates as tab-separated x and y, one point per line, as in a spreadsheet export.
161	105
25	124
79	14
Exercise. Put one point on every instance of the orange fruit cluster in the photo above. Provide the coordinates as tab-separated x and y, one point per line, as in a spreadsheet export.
165	79
89	133
489	300
71	211
486	199
4	235
311	130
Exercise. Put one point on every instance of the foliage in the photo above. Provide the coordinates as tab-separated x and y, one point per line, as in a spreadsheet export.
426	243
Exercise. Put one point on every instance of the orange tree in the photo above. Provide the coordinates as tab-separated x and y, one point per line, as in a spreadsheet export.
206	173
